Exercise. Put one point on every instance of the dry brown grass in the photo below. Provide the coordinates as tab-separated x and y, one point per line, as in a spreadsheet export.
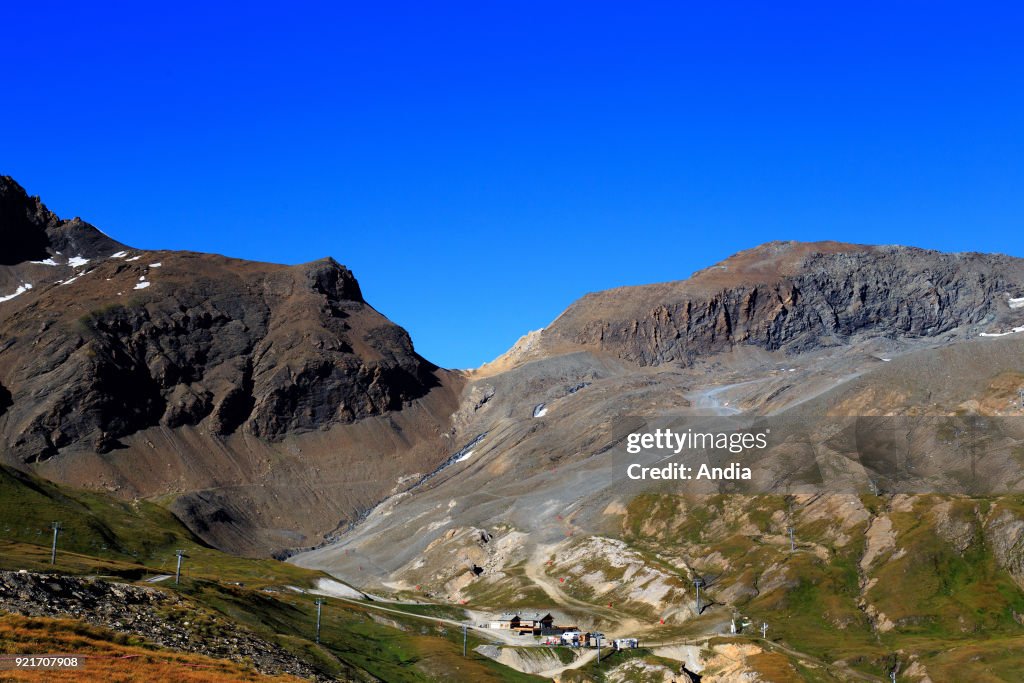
774	667
110	657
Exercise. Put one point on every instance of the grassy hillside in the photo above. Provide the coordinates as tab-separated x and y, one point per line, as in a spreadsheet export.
125	539
104	536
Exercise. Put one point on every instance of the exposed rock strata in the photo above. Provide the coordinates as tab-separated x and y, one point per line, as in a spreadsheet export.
813	296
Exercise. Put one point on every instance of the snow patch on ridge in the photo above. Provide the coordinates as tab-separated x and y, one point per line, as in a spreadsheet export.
72	279
1002	334
22	288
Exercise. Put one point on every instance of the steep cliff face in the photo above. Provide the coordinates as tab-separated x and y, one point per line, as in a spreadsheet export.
794	297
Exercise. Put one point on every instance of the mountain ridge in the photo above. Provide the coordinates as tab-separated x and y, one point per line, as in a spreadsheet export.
271	411
220	384
806	295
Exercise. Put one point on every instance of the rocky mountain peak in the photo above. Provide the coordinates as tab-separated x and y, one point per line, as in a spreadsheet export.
31	232
333	280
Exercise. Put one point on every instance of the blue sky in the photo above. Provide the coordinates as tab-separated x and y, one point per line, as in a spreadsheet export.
481	165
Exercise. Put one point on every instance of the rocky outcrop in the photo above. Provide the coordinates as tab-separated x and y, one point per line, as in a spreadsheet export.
815	296
159	617
1005	535
31	232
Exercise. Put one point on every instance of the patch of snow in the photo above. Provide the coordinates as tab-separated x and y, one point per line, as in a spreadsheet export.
463	453
331	589
541	410
72	279
143	285
1002	334
1016	303
155	265
120	254
141	278
885	360
45	262
22	288
77	261
134	258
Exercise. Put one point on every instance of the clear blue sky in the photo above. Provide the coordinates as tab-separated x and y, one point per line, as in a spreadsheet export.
480	165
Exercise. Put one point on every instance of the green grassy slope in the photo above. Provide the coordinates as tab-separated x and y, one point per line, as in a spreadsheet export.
101	535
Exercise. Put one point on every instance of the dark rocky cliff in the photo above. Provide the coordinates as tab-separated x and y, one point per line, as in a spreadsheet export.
31	232
795	297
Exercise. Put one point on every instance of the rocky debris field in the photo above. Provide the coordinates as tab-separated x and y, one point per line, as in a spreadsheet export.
159	617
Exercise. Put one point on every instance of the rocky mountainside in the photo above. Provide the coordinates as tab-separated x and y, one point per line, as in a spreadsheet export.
537	512
119	344
792	297
798	332
156	372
